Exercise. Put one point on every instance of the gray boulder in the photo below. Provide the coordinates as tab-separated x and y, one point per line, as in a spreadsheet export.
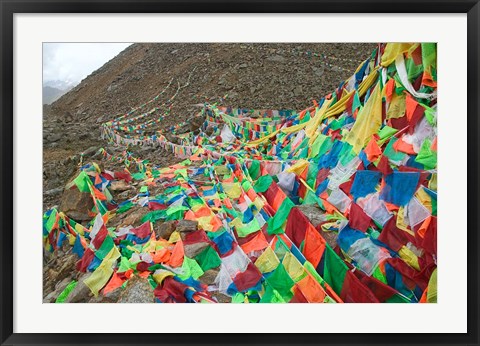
186	226
76	204
164	229
138	290
81	293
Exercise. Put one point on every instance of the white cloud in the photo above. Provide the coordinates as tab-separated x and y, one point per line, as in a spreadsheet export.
72	62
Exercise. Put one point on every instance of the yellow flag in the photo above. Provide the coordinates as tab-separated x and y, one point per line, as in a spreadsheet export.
71	239
161	274
233	190
369	120
267	261
432	184
298	167
396	109
401	222
424	199
263	139
315	122
205	222
294	128
293	267
392	50
103	273
432	288
409	257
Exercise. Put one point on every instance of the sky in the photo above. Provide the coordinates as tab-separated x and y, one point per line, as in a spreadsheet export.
72	62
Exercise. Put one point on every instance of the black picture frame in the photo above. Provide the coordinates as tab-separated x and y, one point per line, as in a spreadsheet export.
7	175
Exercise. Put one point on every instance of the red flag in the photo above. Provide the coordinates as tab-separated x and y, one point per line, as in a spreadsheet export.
143	231
100	237
378	288
314	245
87	258
393	236
248	279
358	219
354	291
297	224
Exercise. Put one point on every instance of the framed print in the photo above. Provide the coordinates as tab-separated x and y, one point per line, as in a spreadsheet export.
245	173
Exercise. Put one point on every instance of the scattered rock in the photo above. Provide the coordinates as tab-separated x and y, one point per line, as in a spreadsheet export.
196	123
81	293
298	90
316	216
53	145
221	170
186	226
68	117
110	297
119	185
276	58
192	250
54	137
90	151
138	290
313	213
318	71
132	217
76	204
221	298
330	237
125	195
208	278
59	287
50	298
67	265
164	229
54	191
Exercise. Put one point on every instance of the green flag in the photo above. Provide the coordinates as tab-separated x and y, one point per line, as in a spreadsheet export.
208	259
426	156
82	181
66	292
275	223
282	282
254	169
263	183
335	270
105	248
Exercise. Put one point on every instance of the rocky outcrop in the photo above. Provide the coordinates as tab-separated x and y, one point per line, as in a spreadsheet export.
138	290
186	226
76	204
164	229
81	293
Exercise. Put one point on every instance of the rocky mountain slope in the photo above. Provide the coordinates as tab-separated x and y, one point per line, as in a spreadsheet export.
278	76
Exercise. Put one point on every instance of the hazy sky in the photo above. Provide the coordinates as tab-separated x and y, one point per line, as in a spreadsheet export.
72	62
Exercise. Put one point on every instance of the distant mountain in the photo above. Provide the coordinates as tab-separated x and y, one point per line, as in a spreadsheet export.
53	90
51	94
59	84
